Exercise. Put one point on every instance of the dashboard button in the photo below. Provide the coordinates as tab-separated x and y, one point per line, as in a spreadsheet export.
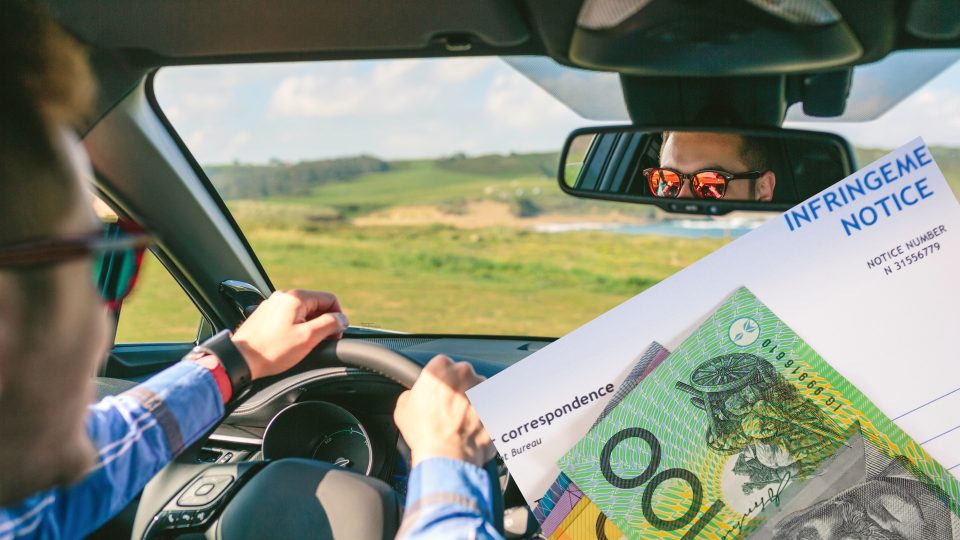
202	516
186	519
204	490
168	521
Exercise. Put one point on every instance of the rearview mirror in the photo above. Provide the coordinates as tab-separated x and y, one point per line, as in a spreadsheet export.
703	170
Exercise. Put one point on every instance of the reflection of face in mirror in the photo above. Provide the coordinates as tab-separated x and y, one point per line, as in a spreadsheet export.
692	152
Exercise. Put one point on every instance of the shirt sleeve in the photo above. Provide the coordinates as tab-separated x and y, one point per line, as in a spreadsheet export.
448	499
137	433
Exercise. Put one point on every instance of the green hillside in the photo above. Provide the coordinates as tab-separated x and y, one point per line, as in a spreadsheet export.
434	277
362	184
525	181
948	159
504	166
259	181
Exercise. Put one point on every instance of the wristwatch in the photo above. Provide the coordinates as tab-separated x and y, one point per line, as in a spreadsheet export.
221	346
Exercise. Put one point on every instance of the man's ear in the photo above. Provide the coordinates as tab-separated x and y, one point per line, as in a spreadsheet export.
765	185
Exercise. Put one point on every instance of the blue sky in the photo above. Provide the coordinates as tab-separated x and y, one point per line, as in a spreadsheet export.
425	108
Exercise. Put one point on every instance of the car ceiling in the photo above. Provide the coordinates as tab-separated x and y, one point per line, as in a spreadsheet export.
876	88
196	31
648	41
200	31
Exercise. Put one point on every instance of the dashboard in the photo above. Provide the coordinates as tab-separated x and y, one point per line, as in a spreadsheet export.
344	416
321	412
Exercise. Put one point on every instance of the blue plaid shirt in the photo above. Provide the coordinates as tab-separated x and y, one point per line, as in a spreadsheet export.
139	431
448	499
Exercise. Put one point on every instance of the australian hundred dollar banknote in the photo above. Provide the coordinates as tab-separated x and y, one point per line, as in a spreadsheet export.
559	510
746	432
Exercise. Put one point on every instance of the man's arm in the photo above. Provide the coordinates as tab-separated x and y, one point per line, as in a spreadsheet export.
136	434
448	499
448	494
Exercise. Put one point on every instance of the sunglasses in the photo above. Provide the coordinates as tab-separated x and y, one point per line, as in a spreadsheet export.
117	254
707	184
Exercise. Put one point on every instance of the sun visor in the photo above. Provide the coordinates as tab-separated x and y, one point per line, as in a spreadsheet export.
594	95
702	39
876	88
211	28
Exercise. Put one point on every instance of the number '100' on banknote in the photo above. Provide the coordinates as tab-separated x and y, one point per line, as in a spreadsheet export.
746	432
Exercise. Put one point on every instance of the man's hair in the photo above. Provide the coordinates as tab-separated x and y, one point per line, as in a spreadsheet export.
755	153
45	84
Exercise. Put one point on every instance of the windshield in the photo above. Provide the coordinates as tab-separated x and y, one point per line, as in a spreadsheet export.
424	194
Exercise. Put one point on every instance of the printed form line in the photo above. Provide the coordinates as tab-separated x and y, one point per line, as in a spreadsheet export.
925	404
940	435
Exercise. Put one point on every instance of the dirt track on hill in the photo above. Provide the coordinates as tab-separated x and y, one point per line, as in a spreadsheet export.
480	214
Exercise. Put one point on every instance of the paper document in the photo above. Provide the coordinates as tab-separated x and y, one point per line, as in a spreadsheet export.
864	271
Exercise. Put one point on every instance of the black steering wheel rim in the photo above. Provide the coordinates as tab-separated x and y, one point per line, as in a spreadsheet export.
404	371
353	505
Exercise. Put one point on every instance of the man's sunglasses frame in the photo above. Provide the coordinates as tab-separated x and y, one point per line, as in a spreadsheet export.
701	182
123	244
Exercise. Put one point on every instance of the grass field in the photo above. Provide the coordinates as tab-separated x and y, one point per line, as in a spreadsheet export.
435	278
496	281
158	309
438	279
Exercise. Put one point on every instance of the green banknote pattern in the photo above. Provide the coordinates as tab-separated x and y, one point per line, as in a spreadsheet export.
745	429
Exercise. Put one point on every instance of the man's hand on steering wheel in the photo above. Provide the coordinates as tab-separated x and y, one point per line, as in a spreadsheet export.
436	418
287	326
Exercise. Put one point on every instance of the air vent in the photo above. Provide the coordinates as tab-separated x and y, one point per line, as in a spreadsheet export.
230	449
398	344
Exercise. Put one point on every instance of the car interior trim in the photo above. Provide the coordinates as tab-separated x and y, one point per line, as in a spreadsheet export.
148	89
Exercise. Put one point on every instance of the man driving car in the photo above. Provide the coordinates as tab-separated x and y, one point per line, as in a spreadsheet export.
712	166
69	466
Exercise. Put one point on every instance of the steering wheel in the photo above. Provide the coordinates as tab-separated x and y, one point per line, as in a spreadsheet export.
288	497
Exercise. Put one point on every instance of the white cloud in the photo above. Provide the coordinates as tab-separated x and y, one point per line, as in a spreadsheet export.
388	88
517	102
238	142
197	139
206	101
315	97
462	69
399	109
395	109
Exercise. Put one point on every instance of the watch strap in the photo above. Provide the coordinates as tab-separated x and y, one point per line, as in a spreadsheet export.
236	367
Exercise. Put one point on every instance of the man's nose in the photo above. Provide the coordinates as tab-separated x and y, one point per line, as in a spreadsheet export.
685	191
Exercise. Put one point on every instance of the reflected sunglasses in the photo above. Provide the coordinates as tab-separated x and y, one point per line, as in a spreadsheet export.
706	184
117	255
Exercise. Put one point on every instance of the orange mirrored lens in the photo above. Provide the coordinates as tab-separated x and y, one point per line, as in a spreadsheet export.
664	183
709	185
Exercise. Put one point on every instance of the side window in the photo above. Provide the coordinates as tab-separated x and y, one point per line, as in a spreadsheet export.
157	309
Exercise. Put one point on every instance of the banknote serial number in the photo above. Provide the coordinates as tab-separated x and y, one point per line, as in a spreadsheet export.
803	378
